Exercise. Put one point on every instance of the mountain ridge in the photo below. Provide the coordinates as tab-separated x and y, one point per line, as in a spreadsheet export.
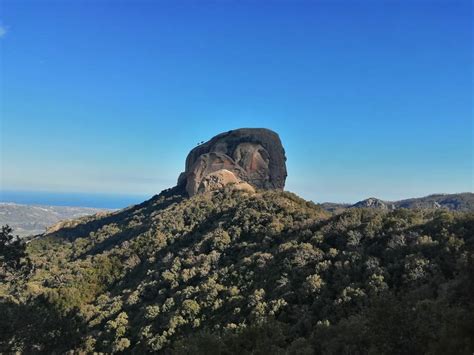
463	201
28	220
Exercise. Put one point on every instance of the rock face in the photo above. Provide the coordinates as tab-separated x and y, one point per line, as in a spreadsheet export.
373	202
247	158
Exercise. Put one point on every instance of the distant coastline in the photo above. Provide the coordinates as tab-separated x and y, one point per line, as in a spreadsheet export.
71	199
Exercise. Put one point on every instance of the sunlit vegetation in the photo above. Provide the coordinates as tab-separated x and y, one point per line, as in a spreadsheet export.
260	273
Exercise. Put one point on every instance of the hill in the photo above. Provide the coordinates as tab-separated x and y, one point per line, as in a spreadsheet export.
237	272
453	202
29	220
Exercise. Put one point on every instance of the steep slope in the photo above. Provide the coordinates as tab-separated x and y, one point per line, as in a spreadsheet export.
232	271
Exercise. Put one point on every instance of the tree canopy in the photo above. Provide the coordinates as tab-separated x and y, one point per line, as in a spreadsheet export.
234	272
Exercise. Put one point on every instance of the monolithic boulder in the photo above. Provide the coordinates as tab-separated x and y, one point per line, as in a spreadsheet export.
246	158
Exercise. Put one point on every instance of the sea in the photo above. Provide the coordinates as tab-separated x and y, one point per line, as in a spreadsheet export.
72	199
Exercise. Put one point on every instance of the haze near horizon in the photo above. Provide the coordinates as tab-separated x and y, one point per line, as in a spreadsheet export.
369	98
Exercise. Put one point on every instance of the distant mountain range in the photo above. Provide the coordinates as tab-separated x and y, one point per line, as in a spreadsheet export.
453	202
29	220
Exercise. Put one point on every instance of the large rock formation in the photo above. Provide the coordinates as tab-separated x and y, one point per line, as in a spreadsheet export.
247	158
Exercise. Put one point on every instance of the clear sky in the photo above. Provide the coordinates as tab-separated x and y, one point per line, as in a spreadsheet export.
370	98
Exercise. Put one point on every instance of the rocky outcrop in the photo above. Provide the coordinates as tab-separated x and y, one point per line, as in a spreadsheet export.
247	158
220	178
373	202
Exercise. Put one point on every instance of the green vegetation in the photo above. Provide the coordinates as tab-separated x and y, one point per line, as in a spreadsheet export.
15	265
232	272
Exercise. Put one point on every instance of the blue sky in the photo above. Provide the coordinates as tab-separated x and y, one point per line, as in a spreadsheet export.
370	98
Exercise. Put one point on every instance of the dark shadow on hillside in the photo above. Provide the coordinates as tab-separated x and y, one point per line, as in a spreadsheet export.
38	327
122	217
134	276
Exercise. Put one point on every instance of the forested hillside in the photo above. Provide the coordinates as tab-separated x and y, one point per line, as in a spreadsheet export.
236	272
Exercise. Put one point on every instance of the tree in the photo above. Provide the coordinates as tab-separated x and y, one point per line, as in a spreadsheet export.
15	265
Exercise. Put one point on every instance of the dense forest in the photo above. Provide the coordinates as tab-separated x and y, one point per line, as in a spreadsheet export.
234	272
